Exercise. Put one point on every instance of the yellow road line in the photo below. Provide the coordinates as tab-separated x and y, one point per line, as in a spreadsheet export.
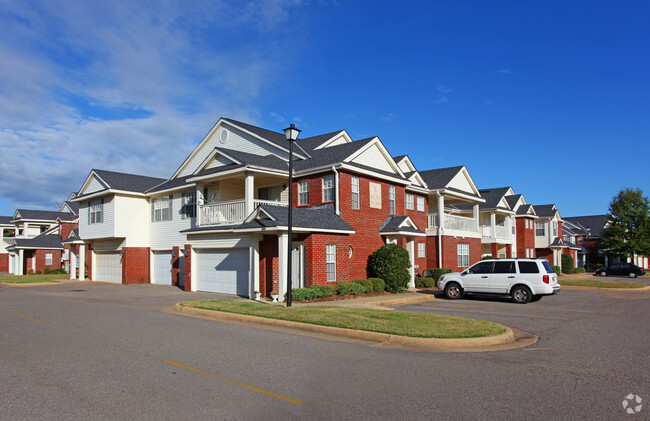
26	317
236	383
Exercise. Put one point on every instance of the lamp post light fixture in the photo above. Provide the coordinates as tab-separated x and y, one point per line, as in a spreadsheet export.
291	134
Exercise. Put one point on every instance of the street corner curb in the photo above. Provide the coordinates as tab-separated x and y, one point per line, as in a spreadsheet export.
646	288
421	344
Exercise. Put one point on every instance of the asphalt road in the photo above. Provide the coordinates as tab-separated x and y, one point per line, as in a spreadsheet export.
94	351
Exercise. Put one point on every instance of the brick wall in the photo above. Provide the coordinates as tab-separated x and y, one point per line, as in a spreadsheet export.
136	265
176	265
269	271
525	236
65	228
450	251
188	267
4	262
40	256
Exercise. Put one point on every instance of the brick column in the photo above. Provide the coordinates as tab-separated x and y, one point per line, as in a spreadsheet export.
176	265
188	267
495	249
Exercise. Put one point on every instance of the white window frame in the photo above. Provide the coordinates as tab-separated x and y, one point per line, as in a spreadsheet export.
161	208
391	200
356	198
330	262
48	259
188	209
328	188
408	201
540	229
303	192
462	252
420	204
422	249
555	229
96	212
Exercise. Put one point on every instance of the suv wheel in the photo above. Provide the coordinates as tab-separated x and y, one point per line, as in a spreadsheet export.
632	275
453	291
603	273
521	294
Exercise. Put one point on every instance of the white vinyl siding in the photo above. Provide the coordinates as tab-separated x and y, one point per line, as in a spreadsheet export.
328	188
303	192
374	158
106	228
421	249
330	260
463	254
161	208
391	200
409	201
420	202
356	203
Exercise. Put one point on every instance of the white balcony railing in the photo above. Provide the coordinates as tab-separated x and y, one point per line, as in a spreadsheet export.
454	222
500	232
231	212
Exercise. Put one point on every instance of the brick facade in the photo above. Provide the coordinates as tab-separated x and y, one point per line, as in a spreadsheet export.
188	267
136	265
268	265
450	251
4	262
525	236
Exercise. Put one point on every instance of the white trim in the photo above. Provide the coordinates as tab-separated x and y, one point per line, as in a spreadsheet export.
376	142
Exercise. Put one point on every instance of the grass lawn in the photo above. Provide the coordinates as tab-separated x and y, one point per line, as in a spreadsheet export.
599	284
30	279
415	325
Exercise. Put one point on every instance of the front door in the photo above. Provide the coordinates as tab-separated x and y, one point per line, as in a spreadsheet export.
298	266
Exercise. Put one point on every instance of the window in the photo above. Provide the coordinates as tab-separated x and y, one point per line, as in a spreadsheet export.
328	188
554	228
161	208
463	254
540	229
303	192
189	205
391	200
96	212
330	258
504	267
374	191
421	249
355	193
409	201
48	259
481	267
420	204
528	267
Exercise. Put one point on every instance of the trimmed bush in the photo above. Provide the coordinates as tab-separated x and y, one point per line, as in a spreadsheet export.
438	272
579	270
425	282
366	284
300	294
567	263
349	288
54	272
556	269
390	263
322	291
488	257
378	285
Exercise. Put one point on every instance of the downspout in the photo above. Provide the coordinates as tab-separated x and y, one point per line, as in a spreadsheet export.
336	190
439	232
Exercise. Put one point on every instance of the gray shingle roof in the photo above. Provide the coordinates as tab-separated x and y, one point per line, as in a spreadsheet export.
309	143
513	199
268	161
545	211
41	215
330	156
595	223
128	182
523	209
43	241
493	197
170	184
6	220
74	206
439	178
393	225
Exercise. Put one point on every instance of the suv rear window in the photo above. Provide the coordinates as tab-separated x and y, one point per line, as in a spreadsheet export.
548	267
528	267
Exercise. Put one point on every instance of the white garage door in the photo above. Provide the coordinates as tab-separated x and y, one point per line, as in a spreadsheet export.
162	267
223	271
109	267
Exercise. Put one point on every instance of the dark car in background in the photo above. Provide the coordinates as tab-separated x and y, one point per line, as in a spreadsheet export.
624	269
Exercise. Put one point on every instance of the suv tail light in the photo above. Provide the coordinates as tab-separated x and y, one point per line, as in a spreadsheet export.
545	279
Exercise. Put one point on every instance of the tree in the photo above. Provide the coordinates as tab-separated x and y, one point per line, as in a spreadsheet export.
390	263
627	228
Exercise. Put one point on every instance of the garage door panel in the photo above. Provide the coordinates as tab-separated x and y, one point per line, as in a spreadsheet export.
109	267
223	271
162	267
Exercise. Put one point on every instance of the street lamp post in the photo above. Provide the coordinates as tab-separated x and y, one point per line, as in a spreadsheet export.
291	134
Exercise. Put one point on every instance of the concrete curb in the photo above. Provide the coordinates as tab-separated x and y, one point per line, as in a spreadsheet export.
401	301
421	343
31	284
646	288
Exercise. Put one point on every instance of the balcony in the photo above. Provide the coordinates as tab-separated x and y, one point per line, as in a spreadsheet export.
454	223
231	212
499	232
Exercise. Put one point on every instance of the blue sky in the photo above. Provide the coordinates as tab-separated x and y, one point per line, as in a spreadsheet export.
551	98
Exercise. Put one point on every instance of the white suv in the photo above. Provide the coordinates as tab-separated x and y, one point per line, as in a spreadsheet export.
524	280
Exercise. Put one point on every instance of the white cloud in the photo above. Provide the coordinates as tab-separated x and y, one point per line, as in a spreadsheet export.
504	71
73	70
444	89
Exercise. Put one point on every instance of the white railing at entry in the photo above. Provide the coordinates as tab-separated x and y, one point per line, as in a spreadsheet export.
231	212
461	223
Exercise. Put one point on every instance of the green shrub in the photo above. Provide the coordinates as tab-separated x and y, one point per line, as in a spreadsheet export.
425	282
438	272
556	269
579	270
322	291
488	257
593	266
366	284
349	288
390	263
378	285
567	264
300	294
54	272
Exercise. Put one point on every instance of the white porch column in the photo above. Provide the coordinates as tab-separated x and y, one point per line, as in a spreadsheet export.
200	200
249	193
82	262
73	263
410	247
493	225
283	244
441	213
255	266
475	215
21	264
